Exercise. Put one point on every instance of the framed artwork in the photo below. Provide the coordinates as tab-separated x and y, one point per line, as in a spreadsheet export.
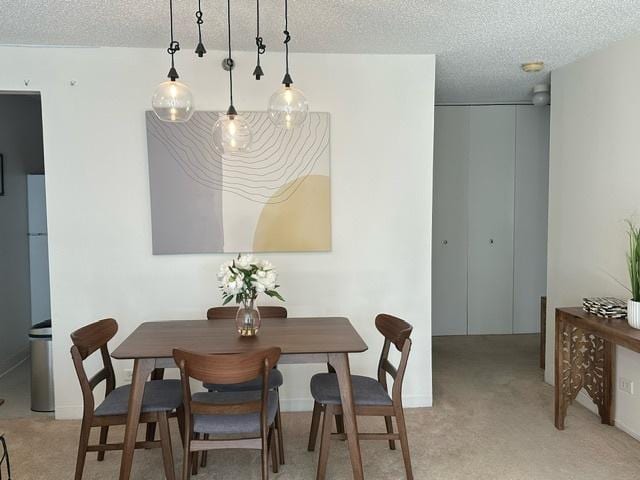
1	175
274	198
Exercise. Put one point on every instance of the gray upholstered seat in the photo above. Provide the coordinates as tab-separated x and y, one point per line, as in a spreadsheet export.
366	391
275	381
241	424
159	395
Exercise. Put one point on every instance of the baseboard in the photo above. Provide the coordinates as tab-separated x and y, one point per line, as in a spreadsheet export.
306	404
585	400
13	361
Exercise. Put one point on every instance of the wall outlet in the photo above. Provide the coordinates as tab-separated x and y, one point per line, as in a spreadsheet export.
626	385
128	375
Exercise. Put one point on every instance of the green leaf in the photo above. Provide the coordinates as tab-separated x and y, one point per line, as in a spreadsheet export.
273	293
227	299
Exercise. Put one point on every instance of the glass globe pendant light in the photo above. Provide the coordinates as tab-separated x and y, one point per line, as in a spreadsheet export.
288	107
231	133
173	101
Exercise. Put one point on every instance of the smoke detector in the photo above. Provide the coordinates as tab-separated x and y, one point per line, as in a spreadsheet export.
533	67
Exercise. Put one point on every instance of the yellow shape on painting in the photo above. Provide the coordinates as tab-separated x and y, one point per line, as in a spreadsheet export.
302	223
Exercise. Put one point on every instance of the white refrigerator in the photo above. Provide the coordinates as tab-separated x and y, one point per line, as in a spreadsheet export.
38	250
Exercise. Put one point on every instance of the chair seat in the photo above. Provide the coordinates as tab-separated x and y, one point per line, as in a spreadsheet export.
366	391
159	396
238	424
275	381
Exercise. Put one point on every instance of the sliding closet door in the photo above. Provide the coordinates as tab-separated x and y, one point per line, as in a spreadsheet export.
491	211
450	179
532	198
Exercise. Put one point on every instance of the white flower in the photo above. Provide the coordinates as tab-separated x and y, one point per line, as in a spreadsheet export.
244	261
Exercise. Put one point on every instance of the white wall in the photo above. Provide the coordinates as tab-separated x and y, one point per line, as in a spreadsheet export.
594	172
21	145
98	196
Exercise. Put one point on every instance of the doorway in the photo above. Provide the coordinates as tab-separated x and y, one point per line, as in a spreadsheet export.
24	265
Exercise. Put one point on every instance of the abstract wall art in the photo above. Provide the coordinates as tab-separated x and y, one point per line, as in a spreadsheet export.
274	198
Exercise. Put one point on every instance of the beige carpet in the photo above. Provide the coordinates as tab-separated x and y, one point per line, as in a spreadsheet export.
492	419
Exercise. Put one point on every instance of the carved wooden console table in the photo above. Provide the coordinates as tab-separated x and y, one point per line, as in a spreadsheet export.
585	350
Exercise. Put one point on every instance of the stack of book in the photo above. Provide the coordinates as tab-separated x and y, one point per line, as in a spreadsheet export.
606	307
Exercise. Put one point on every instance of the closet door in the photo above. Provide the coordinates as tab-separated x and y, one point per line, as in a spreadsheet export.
491	219
450	180
532	198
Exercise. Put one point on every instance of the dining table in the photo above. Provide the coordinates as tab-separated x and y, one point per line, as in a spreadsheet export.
310	340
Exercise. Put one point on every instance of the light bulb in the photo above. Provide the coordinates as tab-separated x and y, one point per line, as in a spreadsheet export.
173	102
231	133
288	107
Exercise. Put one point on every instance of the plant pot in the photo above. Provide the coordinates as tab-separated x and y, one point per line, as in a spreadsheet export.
633	314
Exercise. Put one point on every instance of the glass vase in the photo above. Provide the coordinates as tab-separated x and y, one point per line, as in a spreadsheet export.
248	318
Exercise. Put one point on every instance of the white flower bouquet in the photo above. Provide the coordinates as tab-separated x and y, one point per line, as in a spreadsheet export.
245	277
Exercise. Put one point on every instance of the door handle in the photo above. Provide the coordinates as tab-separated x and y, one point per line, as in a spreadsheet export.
491	241
445	242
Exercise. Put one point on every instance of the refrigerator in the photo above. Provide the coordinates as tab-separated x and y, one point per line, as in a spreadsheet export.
38	250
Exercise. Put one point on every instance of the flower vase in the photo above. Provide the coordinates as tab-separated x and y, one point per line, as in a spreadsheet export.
633	314
248	318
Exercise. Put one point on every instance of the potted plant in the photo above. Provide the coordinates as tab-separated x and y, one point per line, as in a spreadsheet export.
633	262
242	279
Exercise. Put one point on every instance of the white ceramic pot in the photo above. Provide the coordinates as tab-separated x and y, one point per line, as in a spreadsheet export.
633	314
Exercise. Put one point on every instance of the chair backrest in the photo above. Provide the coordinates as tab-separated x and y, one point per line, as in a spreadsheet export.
86	341
220	313
397	332
225	369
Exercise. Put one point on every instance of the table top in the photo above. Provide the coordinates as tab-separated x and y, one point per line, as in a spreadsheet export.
292	335
615	330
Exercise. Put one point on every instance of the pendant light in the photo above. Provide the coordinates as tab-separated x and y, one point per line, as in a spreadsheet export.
288	107
172	101
200	50
231	133
258	72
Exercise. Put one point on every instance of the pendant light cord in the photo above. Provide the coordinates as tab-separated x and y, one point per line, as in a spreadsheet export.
259	41
199	21
229	59
287	36
173	45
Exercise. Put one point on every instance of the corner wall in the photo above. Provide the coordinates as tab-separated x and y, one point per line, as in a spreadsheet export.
98	197
594	178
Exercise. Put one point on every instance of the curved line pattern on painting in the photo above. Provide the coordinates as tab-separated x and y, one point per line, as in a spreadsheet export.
277	158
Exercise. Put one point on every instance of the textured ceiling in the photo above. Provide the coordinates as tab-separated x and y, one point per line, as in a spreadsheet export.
480	43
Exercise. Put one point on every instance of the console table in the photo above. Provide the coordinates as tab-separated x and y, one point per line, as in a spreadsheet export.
585	349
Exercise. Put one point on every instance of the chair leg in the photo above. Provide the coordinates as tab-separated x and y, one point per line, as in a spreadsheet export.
104	432
389	423
194	458
203	460
278	424
265	456
404	442
83	443
180	418
325	442
275	462
165	443
6	457
315	422
339	424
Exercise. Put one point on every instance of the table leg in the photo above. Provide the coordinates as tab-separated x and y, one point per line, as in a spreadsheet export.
560	397
340	362
142	368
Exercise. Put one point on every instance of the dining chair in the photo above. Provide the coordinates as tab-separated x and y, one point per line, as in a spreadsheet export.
5	452
371	397
243	419
275	378
161	398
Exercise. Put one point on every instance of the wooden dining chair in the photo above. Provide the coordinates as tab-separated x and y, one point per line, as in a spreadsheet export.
228	419
5	452
275	378
371	397
161	398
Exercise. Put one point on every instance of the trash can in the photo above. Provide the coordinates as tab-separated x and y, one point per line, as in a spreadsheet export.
41	367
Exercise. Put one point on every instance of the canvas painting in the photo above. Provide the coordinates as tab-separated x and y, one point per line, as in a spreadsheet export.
274	198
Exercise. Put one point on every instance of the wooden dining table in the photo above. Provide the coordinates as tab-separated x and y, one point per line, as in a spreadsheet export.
302	340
